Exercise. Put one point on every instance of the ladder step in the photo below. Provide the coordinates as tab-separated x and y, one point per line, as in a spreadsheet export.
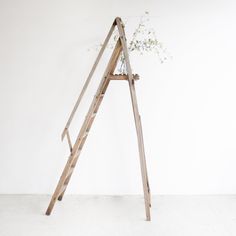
94	114
70	171
62	189
72	168
68	178
101	95
85	134
123	77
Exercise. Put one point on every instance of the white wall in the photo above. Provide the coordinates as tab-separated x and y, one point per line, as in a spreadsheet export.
188	105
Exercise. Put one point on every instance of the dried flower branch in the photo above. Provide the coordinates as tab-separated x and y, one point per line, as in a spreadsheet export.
143	40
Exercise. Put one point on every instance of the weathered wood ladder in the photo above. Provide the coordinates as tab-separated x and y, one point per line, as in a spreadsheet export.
75	149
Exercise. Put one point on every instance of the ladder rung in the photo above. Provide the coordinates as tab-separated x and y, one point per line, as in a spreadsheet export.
85	134
101	95
94	114
123	77
62	189
72	166
70	171
68	177
77	153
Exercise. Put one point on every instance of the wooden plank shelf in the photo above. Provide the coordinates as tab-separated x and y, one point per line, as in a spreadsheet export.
123	77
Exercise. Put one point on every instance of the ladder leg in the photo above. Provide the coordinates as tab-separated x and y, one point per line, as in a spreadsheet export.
145	165
67	180
64	180
101	90
63	183
60	184
60	197
146	189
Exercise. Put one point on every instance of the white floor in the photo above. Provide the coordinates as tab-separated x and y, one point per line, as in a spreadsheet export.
107	215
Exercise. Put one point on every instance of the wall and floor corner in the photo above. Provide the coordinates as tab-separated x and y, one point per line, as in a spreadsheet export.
187	108
187	104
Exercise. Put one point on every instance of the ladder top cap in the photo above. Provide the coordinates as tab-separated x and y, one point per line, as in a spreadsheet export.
118	19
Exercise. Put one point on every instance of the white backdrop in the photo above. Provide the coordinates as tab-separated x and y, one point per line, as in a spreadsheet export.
188	104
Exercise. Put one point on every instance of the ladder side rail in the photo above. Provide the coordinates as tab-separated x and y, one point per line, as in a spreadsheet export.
74	153
145	164
70	162
120	26
93	108
73	164
112	61
88	79
60	184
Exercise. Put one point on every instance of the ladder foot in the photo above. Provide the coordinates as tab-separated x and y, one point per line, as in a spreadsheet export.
60	198
50	207
48	212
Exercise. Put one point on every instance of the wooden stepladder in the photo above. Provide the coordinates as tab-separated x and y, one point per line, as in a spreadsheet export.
75	149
